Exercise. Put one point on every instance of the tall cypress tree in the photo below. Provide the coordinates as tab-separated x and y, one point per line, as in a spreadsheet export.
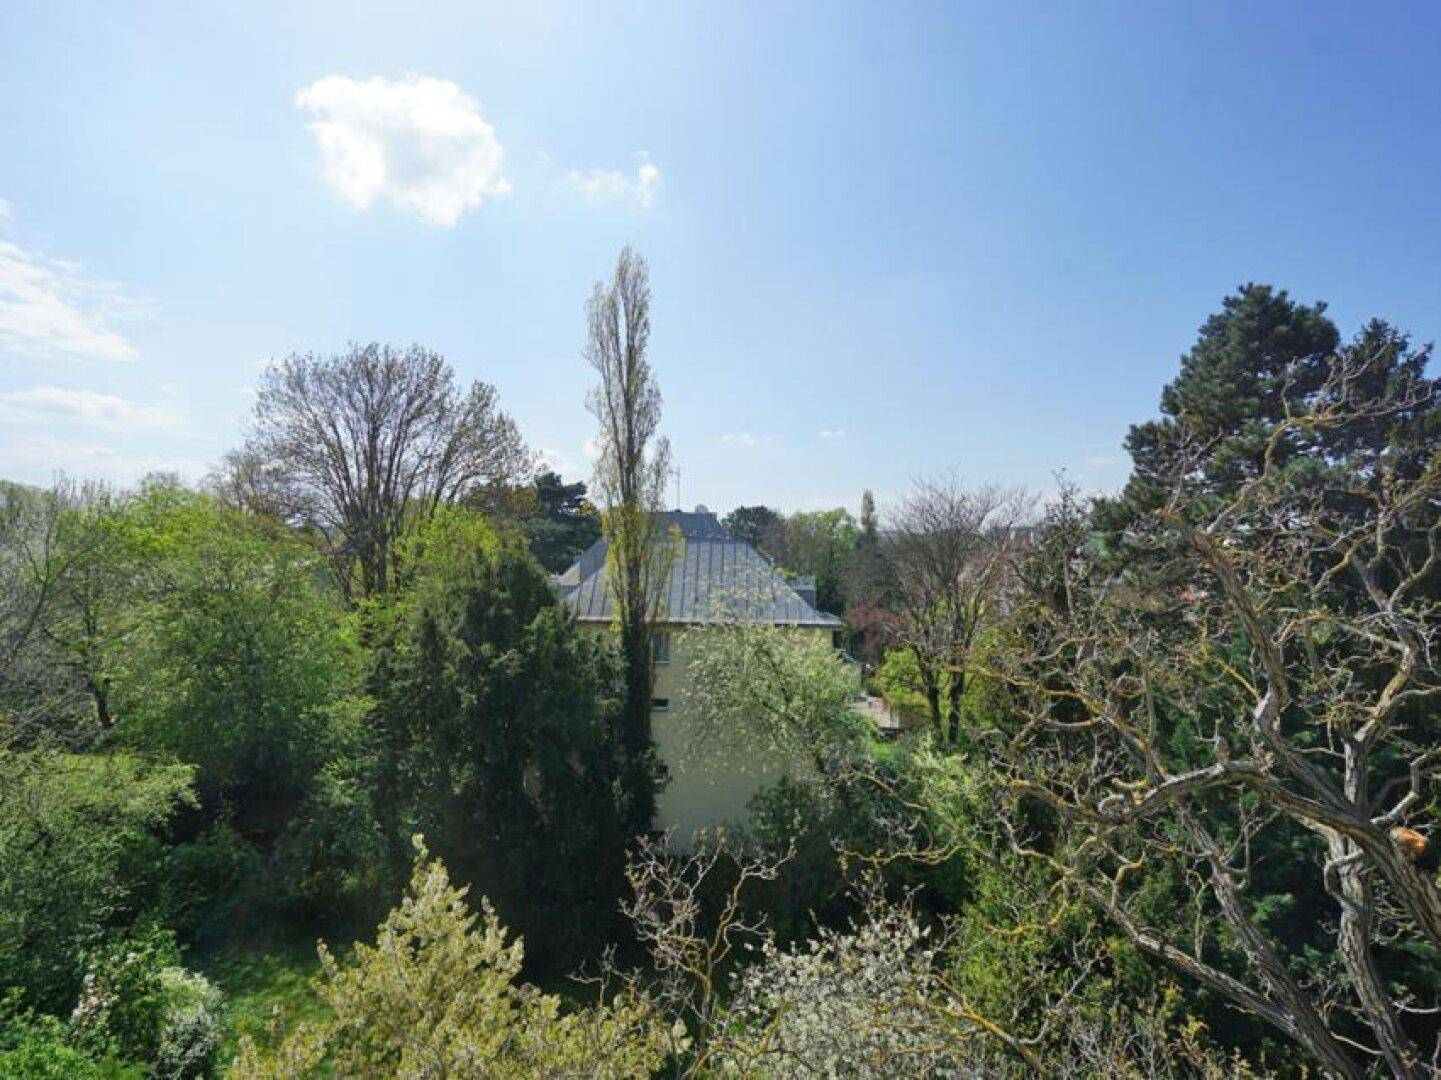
503	709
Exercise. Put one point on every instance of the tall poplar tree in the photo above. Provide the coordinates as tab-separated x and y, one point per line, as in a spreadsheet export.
630	480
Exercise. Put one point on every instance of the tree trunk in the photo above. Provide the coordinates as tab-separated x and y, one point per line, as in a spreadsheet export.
638	767
956	696
1351	891
930	684
1304	1022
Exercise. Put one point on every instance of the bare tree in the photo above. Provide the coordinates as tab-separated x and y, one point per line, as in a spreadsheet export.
943	564
1288	683
630	479
361	445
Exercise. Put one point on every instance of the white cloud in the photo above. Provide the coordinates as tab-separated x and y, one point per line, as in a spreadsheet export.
6	208
592	447
49	308
609	184
53	404
745	438
420	142
832	433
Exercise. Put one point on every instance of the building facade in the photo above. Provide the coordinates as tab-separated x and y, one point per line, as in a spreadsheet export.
712	578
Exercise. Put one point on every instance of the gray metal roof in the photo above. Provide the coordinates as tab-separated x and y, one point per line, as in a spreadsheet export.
713	578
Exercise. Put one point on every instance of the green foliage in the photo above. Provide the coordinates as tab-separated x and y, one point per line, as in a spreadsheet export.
243	663
563	524
67	823
1262	351
437	995
821	544
34	1046
259	982
496	708
238	662
898	679
207	881
124	1000
753	524
789	691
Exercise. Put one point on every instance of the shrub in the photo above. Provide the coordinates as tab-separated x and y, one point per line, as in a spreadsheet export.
854	1003
67	825
191	1031
436	995
34	1045
123	1003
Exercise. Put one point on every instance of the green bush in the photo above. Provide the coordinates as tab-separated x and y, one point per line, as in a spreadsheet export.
208	881
191	1032
123	1001
34	1046
68	823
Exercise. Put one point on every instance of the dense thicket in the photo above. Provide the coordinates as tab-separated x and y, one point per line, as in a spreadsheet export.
1166	807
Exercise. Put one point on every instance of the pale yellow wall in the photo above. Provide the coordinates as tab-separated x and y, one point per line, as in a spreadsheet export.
712	775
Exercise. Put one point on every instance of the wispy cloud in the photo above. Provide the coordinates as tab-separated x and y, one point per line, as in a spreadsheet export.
54	404
557	461
612	185
45	456
418	141
39	458
745	438
832	433
50	308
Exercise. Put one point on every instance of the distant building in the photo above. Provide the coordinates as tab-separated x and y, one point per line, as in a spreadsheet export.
712	577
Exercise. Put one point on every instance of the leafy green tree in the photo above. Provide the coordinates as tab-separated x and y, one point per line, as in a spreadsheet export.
751	524
820	544
563	524
68	826
1260	353
630	477
242	664
498	708
69	583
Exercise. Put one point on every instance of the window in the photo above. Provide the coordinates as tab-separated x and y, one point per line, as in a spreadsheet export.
660	704
660	648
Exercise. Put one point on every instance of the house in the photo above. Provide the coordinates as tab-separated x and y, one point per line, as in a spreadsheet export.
712	576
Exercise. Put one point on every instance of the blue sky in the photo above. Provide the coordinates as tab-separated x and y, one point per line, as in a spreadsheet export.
885	240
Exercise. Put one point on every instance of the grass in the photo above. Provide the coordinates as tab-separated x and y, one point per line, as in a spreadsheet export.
260	985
